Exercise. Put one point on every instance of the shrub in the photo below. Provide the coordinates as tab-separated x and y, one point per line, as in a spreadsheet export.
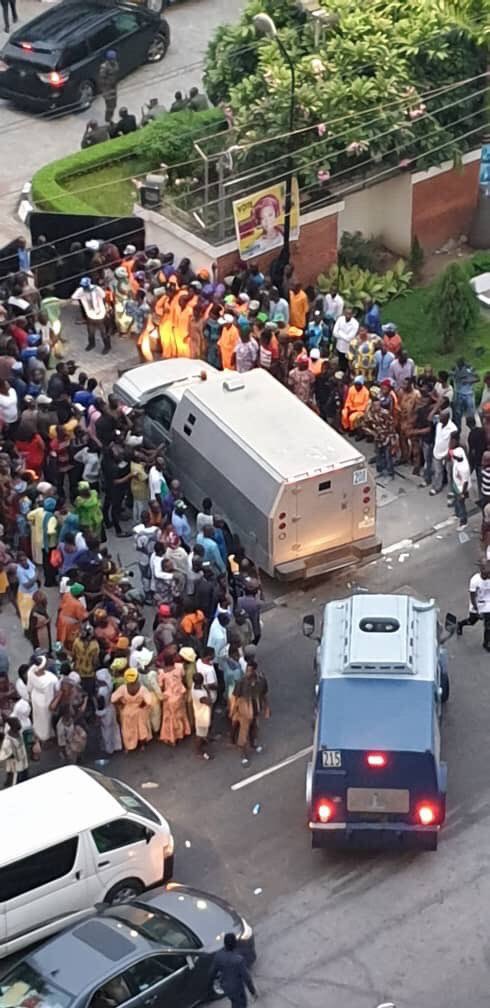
416	258
356	250
356	284
167	139
453	307
480	263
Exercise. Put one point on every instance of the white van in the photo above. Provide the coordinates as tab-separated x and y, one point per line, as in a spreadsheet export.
70	839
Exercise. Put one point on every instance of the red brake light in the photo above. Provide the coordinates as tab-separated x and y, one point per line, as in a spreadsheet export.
282	515
55	77
426	814
282	525
26	45
377	759
324	810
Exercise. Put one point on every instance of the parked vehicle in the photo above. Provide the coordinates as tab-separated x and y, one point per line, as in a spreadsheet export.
53	61
299	496
72	838
376	777
153	951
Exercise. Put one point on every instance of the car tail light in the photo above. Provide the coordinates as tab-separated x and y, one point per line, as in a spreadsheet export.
27	46
324	810
376	759
427	814
55	77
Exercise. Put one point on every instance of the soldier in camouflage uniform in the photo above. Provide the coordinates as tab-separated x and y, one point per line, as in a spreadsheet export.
108	77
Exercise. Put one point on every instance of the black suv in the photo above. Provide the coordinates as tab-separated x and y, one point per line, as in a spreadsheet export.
53	61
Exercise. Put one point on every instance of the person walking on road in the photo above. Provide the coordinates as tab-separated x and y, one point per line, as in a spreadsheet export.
479	608
230	966
107	81
5	10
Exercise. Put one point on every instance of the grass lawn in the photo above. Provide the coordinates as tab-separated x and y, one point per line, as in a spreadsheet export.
108	190
411	317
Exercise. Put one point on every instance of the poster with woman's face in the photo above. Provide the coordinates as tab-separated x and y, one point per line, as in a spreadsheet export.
259	220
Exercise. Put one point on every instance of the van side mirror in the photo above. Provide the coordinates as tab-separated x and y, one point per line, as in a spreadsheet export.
148	834
190	961
308	625
450	623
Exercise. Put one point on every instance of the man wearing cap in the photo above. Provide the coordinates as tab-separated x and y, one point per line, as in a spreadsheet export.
229	337
356	404
91	298
180	523
460	483
344	332
315	363
246	350
301	380
391	338
107	82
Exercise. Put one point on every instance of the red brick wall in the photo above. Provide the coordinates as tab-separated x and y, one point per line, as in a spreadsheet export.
442	206
315	250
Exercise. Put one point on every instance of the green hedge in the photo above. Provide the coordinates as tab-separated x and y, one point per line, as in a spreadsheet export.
168	139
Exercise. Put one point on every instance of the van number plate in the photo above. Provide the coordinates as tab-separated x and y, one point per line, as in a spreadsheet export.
382	800
331	758
359	476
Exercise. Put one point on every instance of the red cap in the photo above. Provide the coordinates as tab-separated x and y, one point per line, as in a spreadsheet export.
164	610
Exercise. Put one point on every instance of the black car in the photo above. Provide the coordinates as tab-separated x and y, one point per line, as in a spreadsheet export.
53	61
152	952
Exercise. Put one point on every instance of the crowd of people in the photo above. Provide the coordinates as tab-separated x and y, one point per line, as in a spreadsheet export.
74	464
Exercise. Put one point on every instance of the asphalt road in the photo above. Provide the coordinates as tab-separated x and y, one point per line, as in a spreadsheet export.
33	141
339	930
343	929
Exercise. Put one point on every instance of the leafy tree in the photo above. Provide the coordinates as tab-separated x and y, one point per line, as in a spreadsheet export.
453	307
360	104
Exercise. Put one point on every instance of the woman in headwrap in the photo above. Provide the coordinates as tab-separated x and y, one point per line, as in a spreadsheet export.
105	712
42	687
106	630
26	577
122	291
71	614
44	536
141	658
133	701
40	623
71	523
88	509
175	723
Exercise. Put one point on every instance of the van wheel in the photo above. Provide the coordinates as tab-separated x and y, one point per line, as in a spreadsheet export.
124	891
85	95
444	687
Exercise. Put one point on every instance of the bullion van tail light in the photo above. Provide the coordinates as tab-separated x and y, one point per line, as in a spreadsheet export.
282	525
325	810
376	760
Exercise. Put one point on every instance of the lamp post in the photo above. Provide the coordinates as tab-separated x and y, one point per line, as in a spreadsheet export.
264	25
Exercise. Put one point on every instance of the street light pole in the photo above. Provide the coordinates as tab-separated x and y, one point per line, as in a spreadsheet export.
264	25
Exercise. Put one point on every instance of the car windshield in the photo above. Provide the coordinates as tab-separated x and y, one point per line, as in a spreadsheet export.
25	986
127	798
156	925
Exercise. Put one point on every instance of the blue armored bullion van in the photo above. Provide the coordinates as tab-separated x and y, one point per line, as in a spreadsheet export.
376	777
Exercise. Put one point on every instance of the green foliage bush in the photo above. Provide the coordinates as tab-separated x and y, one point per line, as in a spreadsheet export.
356	250
356	284
453	307
168	139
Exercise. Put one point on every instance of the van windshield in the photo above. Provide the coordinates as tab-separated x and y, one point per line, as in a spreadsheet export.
24	985
127	798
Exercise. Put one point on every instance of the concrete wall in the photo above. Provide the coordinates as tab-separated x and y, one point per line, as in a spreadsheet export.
383	209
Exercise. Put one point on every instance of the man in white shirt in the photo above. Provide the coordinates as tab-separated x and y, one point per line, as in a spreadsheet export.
333	304
9	407
92	302
157	484
461	476
444	430
344	331
479	607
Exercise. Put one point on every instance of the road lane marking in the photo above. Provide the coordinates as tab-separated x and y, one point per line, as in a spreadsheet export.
272	769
